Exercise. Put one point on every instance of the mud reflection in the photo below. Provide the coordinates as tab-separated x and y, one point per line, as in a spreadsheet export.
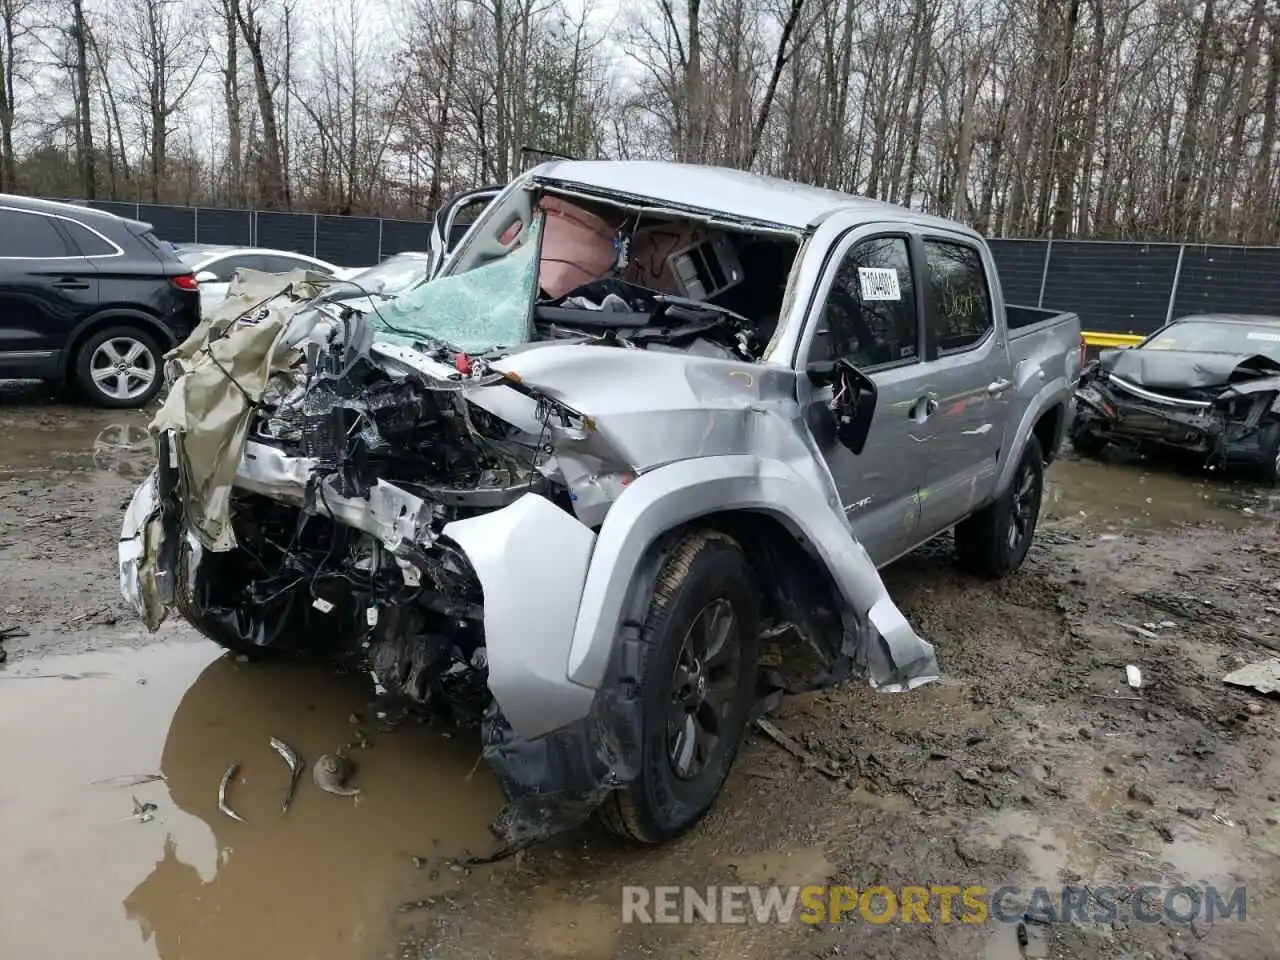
322	881
76	440
125	449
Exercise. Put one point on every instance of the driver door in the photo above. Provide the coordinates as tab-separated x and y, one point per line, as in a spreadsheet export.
869	312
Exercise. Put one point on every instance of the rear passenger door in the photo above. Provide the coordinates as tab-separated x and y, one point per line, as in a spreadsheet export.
868	311
46	287
967	366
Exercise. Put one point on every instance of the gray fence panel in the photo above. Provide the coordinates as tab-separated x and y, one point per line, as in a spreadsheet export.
1020	264
175	224
401	236
226	227
1229	280
1115	287
347	241
286	231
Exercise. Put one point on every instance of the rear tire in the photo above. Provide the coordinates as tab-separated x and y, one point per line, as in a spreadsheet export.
995	540
1268	471
119	368
701	644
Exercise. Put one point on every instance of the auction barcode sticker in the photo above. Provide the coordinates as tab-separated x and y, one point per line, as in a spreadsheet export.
879	283
1263	335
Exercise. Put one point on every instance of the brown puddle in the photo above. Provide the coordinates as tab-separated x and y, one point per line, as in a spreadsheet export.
80	877
75	440
1127	496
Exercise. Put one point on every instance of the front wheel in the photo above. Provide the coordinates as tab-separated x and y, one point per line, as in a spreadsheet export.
701	644
995	540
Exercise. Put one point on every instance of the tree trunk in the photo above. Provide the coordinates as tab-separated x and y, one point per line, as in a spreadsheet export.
84	139
1189	143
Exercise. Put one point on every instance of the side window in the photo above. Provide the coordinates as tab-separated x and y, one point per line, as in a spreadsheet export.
31	236
958	314
89	243
226	268
870	314
278	264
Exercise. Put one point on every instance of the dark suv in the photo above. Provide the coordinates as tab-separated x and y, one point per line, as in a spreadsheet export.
89	298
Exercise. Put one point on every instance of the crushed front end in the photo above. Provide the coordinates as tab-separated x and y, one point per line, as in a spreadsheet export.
1226	412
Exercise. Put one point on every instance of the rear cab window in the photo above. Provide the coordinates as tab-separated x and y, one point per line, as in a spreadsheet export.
869	317
26	235
958	313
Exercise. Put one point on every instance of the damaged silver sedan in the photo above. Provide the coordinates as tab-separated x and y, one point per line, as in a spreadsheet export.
582	486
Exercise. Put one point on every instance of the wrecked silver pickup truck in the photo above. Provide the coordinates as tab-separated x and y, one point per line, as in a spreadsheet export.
615	479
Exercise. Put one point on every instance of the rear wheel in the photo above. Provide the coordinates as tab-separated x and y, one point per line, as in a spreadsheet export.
119	367
701	637
995	540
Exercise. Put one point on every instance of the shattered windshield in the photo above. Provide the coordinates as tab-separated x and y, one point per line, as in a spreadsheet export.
489	306
1206	336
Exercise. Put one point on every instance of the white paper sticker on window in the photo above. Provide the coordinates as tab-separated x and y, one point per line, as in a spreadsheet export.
1263	335
879	283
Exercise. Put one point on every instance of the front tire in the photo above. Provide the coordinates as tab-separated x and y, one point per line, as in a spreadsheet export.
119	368
995	540
701	645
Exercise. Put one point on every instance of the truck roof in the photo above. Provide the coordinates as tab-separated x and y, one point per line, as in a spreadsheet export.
739	193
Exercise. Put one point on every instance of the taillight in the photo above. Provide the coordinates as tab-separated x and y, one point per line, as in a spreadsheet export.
185	281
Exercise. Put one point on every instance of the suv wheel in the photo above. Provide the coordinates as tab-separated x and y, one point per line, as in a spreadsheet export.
701	636
119	367
994	541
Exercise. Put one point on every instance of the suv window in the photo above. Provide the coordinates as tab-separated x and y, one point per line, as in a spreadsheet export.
90	243
870	314
958	314
31	236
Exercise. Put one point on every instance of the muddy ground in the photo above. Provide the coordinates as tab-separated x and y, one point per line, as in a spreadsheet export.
1031	763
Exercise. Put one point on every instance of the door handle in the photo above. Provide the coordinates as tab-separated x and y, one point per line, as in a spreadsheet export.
997	387
922	409
71	283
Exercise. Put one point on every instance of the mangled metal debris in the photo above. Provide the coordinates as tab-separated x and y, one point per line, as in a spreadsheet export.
1262	677
222	792
289	756
331	773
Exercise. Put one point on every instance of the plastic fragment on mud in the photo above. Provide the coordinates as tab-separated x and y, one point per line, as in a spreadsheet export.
1264	677
1134	676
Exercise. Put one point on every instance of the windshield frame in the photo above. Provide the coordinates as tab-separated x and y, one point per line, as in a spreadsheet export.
1266	347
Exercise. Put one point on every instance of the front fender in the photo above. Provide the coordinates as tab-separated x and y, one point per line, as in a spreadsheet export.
531	559
665	498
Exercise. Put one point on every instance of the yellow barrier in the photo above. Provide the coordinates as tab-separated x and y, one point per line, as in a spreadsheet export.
1112	339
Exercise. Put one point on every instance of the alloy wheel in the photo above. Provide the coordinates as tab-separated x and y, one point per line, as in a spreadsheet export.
704	685
123	368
